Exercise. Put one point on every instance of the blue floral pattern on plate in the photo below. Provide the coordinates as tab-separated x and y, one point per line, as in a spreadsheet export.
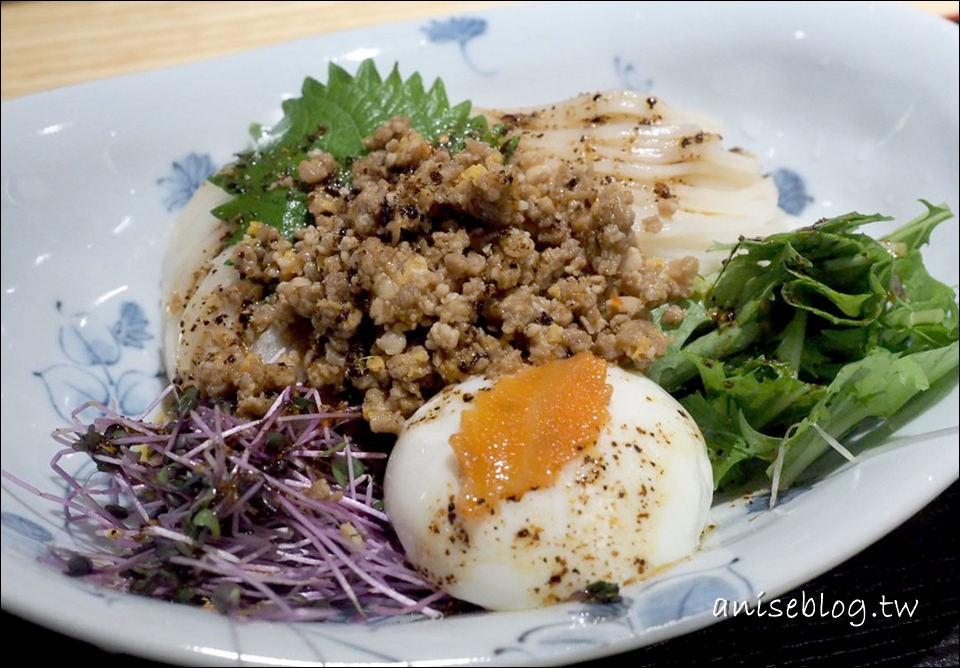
665	600
459	29
94	372
25	527
629	78
185	177
794	197
760	501
24	536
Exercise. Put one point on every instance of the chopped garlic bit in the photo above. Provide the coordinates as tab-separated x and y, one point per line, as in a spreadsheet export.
348	531
147	455
319	490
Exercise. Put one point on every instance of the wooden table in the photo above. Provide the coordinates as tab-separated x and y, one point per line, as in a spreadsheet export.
50	44
45	45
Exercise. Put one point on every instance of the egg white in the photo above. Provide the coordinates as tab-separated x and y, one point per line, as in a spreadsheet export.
637	502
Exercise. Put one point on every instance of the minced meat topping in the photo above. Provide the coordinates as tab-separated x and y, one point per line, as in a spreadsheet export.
432	267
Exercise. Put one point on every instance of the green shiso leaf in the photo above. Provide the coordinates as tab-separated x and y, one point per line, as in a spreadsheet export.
335	117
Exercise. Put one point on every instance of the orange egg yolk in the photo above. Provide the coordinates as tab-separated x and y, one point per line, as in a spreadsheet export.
517	436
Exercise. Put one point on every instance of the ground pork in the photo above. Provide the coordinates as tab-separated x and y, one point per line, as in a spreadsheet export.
431	267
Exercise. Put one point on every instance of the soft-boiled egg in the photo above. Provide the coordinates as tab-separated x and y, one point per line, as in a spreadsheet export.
523	492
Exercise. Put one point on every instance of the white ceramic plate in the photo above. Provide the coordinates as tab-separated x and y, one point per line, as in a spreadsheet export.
858	104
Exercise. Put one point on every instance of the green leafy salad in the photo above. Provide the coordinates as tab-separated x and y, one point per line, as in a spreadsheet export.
808	336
